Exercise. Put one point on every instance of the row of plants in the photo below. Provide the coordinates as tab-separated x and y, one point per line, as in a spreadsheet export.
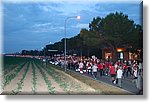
7	79
11	69
65	82
8	68
11	60
20	84
57	77
34	80
48	82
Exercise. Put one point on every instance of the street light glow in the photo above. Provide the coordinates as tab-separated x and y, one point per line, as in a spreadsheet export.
78	17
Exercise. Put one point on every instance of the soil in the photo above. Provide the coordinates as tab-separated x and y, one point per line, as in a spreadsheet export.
27	87
12	86
9	70
75	86
57	88
75	83
12	71
100	87
41	85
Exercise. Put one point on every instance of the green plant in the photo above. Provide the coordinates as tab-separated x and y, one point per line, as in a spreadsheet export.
20	84
34	81
7	79
48	83
57	77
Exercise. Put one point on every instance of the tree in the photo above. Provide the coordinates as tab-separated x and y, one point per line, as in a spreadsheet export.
115	30
90	41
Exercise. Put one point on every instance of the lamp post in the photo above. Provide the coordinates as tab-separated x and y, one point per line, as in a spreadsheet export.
44	50
65	46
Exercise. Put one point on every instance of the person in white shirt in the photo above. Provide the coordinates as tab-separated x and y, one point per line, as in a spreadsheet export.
135	74
94	70
119	76
81	67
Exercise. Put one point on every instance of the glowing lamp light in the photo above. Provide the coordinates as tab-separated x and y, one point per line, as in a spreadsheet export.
119	50
78	17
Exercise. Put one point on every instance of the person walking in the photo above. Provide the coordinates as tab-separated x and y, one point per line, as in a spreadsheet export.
112	73
125	70
107	68
135	76
119	76
81	67
100	68
94	70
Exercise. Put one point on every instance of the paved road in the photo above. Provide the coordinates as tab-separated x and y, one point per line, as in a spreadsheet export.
127	83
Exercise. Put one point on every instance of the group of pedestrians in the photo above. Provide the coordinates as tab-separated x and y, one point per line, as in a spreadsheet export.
117	70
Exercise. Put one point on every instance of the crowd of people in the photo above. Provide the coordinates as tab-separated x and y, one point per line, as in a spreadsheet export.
93	66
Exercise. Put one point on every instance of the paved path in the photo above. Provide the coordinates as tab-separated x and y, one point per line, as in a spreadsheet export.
127	83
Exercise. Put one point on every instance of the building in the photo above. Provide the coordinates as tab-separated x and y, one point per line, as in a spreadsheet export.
121	53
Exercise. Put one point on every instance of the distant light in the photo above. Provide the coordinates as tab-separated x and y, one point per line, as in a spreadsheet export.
78	17
120	49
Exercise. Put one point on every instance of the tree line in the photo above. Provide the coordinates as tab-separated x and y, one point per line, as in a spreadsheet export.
113	31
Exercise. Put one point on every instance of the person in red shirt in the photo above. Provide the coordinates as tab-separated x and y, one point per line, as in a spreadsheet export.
118	62
112	73
124	69
100	68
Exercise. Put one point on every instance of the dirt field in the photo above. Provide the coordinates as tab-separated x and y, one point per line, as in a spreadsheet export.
32	78
43	82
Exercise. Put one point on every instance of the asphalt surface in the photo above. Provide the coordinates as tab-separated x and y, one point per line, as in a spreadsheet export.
127	82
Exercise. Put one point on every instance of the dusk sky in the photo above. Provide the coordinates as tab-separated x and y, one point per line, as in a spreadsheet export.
32	25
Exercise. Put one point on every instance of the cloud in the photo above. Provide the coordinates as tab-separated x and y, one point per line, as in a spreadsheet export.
42	25
51	7
46	27
81	26
44	21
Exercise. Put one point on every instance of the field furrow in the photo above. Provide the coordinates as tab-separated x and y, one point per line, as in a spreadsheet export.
34	79
14	82
41	87
27	82
31	78
20	84
70	84
13	69
54	84
9	68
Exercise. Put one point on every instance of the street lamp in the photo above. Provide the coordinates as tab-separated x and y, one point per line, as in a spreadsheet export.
44	50
77	17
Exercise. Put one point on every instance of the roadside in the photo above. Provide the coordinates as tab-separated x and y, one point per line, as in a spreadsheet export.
105	88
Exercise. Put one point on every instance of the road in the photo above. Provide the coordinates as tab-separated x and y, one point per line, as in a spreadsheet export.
127	83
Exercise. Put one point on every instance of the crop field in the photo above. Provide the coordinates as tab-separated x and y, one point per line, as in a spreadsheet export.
29	76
